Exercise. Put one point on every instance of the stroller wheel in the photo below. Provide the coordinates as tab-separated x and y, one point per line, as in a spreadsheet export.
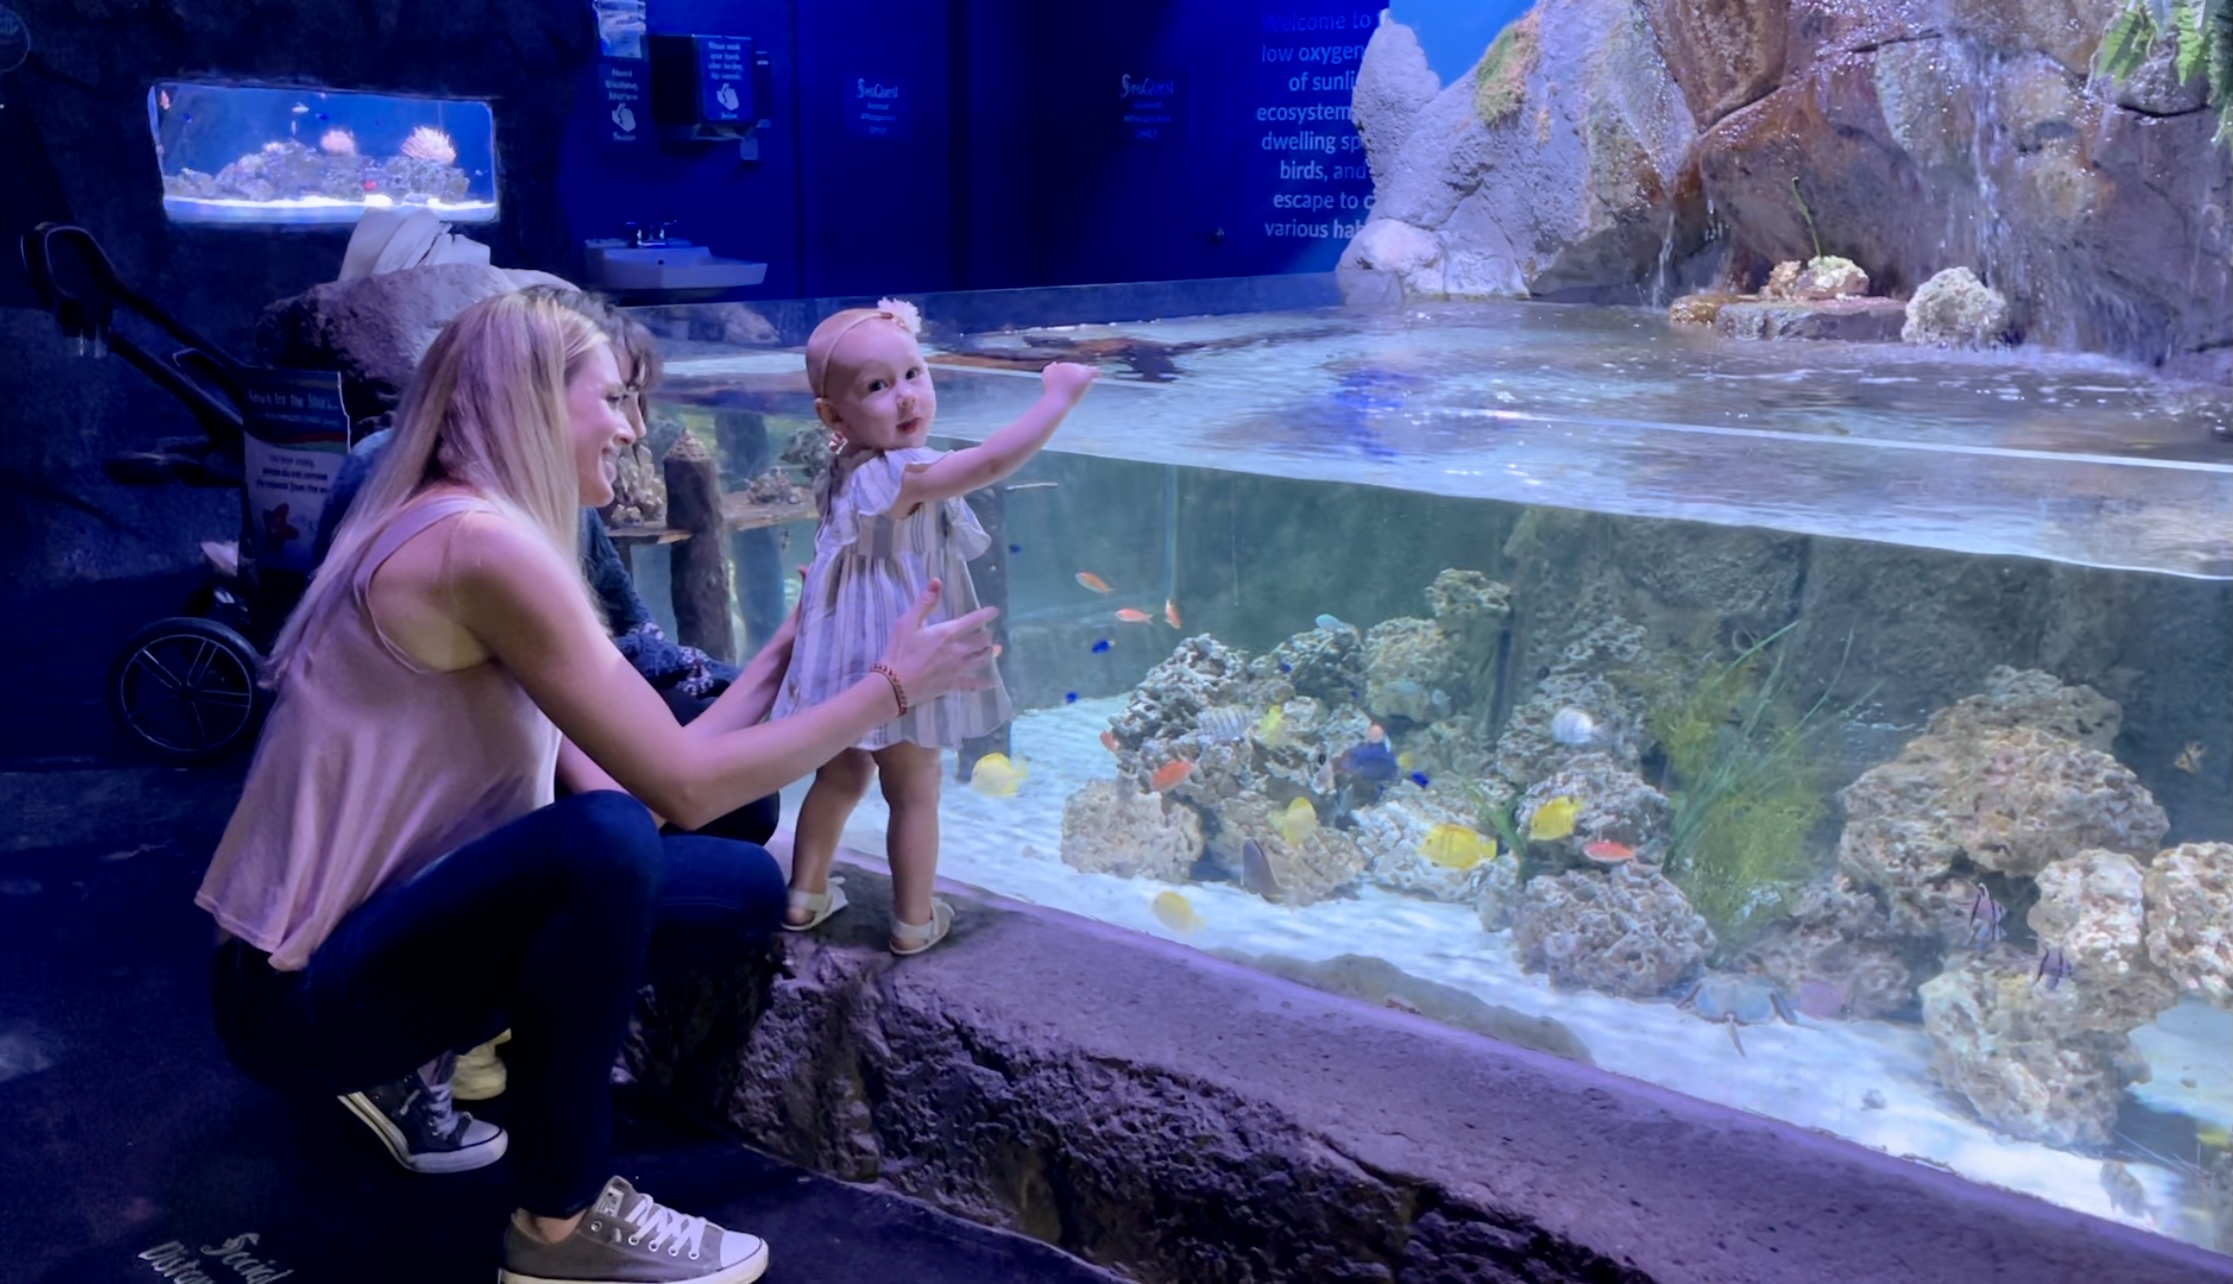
186	688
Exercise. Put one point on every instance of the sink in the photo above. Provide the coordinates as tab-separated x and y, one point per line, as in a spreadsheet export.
672	266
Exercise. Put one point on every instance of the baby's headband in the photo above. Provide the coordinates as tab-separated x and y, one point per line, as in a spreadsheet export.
897	311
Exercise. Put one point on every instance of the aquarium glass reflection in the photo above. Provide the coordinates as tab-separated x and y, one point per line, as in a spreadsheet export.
263	154
1840	733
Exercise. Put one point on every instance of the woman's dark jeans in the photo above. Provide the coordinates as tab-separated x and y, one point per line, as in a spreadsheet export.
547	927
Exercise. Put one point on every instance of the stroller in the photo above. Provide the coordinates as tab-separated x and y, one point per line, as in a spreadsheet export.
185	687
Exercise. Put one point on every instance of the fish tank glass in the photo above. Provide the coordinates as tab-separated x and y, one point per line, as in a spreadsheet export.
256	154
1838	732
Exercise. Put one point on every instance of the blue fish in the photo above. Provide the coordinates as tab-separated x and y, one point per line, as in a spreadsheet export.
1069	697
1419	778
1370	761
1285	667
1015	548
1101	646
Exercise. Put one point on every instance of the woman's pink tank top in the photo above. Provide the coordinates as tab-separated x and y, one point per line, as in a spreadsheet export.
371	767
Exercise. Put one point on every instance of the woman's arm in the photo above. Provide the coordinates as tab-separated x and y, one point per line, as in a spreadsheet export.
515	594
581	776
1005	451
749	698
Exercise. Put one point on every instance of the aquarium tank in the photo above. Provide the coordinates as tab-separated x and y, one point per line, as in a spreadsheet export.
260	154
1837	732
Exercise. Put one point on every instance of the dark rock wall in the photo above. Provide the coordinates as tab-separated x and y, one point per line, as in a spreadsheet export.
1927	135
85	88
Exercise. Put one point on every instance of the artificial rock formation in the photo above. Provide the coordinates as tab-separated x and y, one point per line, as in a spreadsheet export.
1556	169
1628	931
2189	893
1906	138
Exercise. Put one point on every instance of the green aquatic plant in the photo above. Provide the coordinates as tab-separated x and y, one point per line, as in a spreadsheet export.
2201	35
1747	786
1806	214
1500	80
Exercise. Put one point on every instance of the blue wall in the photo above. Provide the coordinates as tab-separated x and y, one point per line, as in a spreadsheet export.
1455	33
1035	144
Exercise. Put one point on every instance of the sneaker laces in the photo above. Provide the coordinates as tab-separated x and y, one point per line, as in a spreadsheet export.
433	1086
668	1230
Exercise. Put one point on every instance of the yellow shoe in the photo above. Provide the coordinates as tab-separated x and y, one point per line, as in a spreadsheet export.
480	1072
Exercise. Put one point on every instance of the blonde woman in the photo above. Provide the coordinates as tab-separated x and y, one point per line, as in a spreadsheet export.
397	883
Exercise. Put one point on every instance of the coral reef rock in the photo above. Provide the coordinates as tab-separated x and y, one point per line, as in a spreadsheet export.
1616	806
2091	908
2189	893
1392	834
1555	169
1838	936
1109	828
1323	663
1816	281
1985	787
1956	310
1314	867
639	490
1628	932
2021	1054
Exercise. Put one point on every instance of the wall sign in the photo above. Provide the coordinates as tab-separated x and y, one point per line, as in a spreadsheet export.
622	82
876	107
725	79
1153	106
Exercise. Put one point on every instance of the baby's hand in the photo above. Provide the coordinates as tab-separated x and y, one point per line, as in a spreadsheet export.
1067	380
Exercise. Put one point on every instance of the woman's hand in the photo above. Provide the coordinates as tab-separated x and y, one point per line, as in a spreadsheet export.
933	659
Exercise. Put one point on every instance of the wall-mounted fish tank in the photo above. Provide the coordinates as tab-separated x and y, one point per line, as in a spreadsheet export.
257	154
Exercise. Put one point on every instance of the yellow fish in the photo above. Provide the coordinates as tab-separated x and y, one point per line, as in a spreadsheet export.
2216	1135
1269	728
1553	820
997	777
1173	911
1456	847
2190	758
1298	822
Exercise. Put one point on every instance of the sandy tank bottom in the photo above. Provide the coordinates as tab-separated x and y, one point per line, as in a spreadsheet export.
1828	1075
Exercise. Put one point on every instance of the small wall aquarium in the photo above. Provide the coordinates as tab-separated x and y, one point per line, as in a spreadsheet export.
256	154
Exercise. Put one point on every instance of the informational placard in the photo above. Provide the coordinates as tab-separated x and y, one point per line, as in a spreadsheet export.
876	107
297	436
1312	162
1153	106
725	78
622	82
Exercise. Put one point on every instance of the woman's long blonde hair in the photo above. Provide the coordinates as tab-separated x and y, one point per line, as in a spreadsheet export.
486	409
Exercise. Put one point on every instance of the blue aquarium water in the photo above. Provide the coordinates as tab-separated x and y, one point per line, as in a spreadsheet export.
1837	732
261	154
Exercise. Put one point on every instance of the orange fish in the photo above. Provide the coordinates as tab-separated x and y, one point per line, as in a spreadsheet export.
1171	613
1170	774
1608	853
1130	616
1095	582
1109	741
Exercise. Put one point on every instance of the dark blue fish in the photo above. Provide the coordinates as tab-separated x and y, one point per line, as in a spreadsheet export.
1256	871
1419	778
1285	667
1370	761
1101	646
1015	548
1069	697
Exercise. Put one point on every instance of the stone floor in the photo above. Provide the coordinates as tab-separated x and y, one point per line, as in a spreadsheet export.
127	1131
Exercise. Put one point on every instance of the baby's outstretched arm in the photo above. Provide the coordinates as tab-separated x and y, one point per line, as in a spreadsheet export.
1005	451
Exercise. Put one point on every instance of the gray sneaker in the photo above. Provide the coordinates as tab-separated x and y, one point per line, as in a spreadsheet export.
629	1238
420	1125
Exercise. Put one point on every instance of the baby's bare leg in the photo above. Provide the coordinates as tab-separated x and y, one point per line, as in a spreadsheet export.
837	789
909	774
